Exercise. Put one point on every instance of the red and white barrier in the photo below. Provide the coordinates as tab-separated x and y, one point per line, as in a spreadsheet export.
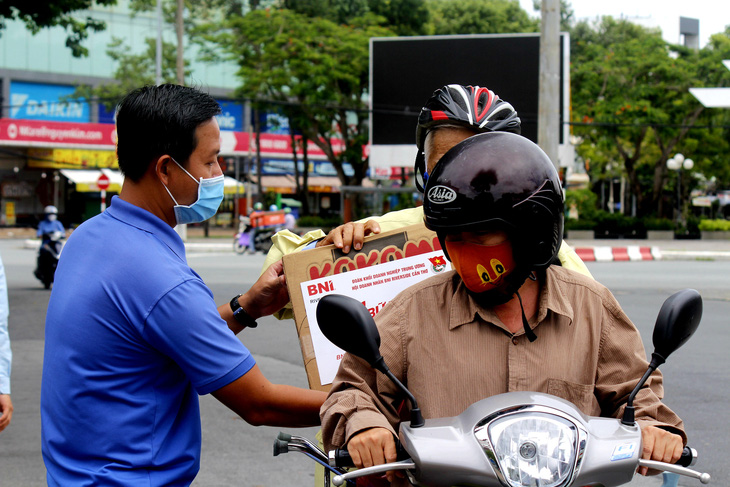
610	254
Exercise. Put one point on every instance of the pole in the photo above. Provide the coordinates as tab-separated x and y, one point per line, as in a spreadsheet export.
679	195
158	45
103	200
548	116
180	53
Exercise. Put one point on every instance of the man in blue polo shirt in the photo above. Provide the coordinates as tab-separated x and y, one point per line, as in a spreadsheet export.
133	335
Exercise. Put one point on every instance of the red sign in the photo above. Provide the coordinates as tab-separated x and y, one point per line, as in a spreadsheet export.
37	133
103	182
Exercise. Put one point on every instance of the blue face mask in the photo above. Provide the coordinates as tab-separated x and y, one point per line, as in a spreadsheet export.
210	195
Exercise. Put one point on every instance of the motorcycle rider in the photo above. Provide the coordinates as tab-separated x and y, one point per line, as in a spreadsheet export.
258	208
504	320
452	113
47	227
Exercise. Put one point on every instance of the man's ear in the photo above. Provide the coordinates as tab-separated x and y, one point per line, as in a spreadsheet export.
162	165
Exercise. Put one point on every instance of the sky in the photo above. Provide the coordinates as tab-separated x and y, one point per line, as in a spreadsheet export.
713	15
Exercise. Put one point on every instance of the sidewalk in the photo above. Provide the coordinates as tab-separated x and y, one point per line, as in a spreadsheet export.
221	240
612	250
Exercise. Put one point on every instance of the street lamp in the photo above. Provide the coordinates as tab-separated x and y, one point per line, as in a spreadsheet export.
677	163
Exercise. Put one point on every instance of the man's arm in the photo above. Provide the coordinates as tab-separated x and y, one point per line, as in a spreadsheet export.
259	402
6	411
266	296
622	362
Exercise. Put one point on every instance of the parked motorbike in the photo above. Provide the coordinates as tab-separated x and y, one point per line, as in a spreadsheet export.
516	439
48	255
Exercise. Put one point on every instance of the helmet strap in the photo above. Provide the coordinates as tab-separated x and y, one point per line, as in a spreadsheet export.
528	331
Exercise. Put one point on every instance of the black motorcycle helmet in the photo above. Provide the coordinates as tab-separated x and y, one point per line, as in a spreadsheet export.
499	180
474	107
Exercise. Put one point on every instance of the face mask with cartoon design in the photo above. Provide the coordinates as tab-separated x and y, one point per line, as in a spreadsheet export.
481	267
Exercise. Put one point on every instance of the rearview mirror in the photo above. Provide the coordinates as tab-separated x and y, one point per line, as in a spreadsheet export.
677	321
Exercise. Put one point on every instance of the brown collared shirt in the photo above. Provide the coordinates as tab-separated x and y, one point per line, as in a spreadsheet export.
450	353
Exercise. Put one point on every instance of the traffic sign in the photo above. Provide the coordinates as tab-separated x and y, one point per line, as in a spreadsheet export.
103	182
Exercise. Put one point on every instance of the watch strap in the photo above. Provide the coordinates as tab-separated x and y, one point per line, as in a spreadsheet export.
240	314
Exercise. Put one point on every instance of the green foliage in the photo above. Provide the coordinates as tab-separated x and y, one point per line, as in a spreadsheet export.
613	225
630	89
326	224
584	200
133	71
714	225
479	17
40	15
403	17
653	223
313	64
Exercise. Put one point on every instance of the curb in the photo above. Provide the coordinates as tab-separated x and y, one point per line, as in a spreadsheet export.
618	254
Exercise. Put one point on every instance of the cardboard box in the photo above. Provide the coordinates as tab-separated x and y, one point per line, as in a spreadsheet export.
387	263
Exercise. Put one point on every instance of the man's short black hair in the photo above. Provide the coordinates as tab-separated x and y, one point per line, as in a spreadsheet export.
157	120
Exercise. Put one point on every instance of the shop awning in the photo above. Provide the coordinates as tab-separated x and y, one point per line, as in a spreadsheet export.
85	181
316	184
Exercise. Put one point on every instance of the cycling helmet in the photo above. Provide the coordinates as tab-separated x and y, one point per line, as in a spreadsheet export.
504	181
473	107
50	210
258	206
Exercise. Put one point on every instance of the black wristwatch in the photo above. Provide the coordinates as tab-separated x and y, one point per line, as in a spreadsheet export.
240	314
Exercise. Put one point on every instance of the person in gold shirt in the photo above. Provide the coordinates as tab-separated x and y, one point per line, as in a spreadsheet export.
452	114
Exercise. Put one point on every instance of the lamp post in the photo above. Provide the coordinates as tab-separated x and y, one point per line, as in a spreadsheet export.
677	163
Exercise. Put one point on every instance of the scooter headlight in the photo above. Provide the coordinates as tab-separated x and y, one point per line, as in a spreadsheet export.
532	449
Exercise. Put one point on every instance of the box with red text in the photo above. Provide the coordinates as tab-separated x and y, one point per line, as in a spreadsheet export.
387	264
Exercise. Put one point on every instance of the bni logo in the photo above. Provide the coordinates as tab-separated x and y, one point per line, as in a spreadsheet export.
322	287
441	194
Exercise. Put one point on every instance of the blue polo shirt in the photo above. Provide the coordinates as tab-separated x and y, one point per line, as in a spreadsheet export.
133	335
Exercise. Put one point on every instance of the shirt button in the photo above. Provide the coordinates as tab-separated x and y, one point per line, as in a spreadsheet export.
514	340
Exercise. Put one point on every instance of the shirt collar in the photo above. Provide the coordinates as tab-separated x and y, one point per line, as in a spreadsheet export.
147	222
464	309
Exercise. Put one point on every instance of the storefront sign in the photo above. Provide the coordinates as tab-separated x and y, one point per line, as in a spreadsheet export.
34	133
272	145
17	189
231	117
38	101
72	158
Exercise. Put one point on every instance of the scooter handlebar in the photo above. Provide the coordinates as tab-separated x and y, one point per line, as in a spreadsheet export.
341	458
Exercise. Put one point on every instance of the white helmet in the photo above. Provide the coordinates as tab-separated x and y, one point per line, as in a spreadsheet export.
50	209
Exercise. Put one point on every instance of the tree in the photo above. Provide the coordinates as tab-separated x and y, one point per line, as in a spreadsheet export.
320	68
402	17
40	15
479	17
630	89
133	71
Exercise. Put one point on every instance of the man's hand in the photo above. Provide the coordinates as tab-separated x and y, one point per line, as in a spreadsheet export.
6	410
350	235
373	446
659	445
268	295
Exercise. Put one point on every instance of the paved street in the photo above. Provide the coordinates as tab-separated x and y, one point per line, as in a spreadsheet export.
235	453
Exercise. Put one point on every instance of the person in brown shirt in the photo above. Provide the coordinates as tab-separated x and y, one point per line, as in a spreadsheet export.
504	320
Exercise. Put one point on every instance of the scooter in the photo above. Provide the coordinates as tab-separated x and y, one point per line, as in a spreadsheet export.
48	255
516	439
262	237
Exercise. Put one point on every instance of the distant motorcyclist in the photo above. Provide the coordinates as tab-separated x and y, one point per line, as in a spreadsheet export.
46	229
50	222
258	208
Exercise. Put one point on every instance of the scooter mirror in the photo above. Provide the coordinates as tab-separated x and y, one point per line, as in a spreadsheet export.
677	321
347	323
